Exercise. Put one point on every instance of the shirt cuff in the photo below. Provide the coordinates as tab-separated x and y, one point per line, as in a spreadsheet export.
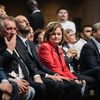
9	51
37	76
56	74
46	75
5	80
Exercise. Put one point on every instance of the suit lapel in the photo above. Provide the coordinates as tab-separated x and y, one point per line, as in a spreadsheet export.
20	47
22	64
33	50
93	46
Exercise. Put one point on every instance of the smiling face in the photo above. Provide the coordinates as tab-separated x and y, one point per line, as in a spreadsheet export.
56	37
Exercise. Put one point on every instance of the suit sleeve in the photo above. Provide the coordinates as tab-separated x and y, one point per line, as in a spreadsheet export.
2	74
90	56
89	59
6	57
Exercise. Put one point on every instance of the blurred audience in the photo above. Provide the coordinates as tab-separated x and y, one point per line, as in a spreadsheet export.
35	17
2	11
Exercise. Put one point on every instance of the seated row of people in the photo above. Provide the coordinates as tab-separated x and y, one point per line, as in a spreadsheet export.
38	68
48	57
24	68
76	87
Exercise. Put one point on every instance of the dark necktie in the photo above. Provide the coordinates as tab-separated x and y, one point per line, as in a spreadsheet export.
28	47
21	63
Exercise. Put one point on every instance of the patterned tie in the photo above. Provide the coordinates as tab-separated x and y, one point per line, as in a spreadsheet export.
28	47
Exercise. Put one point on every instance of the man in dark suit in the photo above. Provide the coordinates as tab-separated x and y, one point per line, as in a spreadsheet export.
54	90
90	57
35	18
13	65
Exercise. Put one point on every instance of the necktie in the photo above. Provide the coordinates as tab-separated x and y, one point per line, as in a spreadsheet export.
21	63
28	47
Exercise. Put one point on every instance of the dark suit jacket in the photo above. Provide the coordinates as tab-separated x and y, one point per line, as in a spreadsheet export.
35	63
10	61
21	49
2	71
90	59
2	74
36	20
42	68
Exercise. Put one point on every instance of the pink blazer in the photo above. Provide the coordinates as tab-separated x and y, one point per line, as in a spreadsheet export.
48	56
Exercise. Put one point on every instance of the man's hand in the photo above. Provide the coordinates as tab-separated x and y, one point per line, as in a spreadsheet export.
38	79
6	87
23	85
5	96
71	53
81	82
11	44
56	78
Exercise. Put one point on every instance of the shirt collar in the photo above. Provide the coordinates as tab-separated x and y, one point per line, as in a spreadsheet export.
23	39
35	11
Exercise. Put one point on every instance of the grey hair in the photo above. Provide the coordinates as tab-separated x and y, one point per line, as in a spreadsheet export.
96	26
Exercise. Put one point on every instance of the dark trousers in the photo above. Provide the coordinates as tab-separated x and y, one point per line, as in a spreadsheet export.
57	90
72	91
54	89
40	90
49	90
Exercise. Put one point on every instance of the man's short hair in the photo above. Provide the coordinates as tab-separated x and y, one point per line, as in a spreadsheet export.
62	8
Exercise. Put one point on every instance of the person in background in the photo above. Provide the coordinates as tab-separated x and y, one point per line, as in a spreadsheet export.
39	37
89	57
2	11
63	18
70	52
35	16
30	35
86	32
